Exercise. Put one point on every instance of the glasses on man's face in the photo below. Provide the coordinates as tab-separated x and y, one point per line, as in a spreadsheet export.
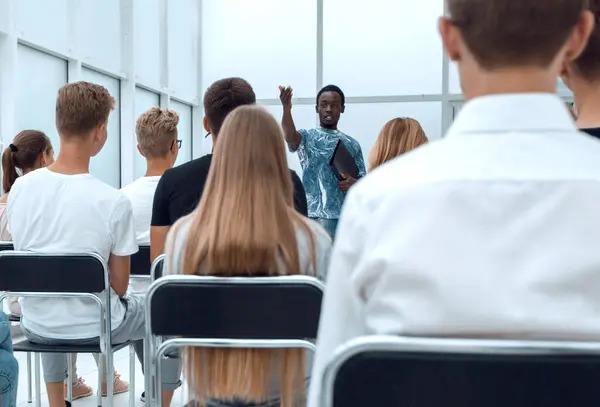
179	142
207	134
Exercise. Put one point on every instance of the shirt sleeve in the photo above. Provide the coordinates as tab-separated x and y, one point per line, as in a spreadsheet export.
160	206
122	229
300	202
360	161
305	141
342	306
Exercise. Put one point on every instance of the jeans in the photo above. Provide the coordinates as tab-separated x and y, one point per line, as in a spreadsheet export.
330	225
9	367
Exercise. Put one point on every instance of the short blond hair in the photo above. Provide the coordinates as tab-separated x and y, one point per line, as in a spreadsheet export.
156	130
81	107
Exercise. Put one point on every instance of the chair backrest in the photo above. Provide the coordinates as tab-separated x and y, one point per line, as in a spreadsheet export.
52	273
235	308
6	246
158	267
140	262
383	371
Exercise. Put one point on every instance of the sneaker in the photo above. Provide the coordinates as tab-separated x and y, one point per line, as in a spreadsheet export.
80	389
143	397
120	386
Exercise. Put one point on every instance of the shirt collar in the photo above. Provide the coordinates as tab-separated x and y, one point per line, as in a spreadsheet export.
524	112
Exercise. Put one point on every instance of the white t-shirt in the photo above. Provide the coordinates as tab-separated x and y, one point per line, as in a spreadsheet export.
141	194
57	213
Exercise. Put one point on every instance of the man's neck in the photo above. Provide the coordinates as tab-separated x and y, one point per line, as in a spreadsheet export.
586	98
72	159
155	167
508	81
332	128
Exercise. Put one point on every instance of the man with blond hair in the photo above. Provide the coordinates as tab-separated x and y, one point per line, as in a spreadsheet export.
64	209
157	142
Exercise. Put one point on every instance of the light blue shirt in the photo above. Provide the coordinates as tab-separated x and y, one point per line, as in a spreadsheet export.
323	194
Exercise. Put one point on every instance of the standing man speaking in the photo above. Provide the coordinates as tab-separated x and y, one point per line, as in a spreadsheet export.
325	193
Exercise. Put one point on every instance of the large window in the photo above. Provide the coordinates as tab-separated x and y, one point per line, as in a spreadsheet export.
389	47
184	130
267	42
40	76
144	100
107	164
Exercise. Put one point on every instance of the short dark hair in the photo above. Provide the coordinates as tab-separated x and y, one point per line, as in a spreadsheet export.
332	88
503	33
222	97
588	64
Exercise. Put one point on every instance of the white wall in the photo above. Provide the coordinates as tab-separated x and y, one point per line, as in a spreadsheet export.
145	52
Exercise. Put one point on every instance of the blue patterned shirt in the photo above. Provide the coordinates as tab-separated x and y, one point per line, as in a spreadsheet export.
323	194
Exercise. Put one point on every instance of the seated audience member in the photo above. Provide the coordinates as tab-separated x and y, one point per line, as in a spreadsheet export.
9	366
397	137
268	236
73	212
490	231
156	132
30	150
582	76
180	188
315	148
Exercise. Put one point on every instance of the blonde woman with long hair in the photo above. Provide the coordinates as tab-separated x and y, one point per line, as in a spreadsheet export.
397	137
245	225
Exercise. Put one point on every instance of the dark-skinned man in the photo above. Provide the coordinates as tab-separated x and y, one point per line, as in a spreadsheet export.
324	192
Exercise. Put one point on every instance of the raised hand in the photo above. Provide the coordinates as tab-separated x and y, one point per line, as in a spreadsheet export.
285	95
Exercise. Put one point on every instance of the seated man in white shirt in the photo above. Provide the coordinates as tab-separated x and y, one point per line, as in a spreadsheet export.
63	209
156	132
491	231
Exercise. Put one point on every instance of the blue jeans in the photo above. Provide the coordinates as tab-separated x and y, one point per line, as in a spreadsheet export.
330	225
9	367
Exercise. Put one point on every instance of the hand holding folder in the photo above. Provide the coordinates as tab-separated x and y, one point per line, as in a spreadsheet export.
343	164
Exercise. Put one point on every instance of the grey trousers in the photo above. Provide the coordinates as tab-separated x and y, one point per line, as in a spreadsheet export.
133	328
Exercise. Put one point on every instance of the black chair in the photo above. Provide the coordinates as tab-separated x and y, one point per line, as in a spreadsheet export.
285	314
140	266
6	246
27	274
394	371
157	268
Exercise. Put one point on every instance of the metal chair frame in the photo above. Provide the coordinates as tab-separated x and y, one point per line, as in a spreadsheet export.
106	348
158	349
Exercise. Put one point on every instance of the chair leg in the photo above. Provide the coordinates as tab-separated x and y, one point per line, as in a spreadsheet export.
110	377
100	377
29	390
70	377
131	376
38	384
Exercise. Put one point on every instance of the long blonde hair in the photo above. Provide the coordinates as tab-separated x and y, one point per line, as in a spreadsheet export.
246	225
397	137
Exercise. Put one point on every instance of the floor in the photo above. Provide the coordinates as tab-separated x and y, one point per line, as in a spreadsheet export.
86	367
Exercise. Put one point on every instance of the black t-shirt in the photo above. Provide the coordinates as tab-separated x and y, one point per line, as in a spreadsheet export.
594	132
180	189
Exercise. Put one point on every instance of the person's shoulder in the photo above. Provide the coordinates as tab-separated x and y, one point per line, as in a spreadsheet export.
186	172
322	238
351	139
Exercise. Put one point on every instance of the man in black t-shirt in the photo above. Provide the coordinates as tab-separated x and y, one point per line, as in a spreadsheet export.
582	76
180	188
